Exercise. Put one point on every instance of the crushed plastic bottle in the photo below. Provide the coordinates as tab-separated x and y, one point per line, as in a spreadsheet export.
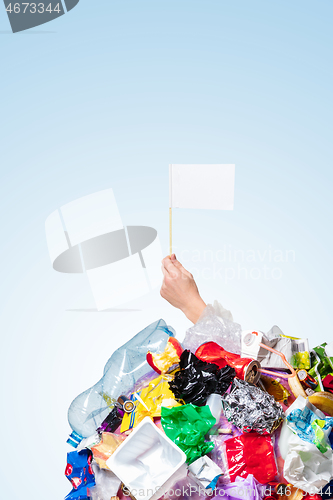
124	368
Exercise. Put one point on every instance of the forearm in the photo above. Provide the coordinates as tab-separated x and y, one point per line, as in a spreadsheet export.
180	289
194	309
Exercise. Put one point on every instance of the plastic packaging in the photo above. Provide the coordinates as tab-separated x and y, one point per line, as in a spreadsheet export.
309	423
206	449
187	426
294	349
185	488
126	365
306	467
89	442
106	448
272	339
243	488
218	454
328	383
215	405
300	356
313	497
80	473
245	368
196	379
284	437
251	453
107	484
321	364
146	460
215	324
274	388
168	359
250	408
149	401
205	472
112	421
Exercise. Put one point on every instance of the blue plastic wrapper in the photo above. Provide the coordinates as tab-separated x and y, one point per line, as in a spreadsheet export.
124	368
79	472
310	428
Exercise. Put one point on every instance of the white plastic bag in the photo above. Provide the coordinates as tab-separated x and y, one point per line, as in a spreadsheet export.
305	467
205	472
107	484
214	325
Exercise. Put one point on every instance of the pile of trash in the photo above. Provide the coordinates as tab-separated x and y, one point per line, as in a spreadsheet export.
228	414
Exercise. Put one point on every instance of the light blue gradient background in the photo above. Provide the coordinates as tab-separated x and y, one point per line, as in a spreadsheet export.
108	96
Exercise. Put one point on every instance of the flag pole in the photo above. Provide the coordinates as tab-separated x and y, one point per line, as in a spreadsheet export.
170	229
170	209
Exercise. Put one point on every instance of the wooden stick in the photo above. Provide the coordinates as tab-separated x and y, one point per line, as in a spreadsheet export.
170	230
170	208
224	431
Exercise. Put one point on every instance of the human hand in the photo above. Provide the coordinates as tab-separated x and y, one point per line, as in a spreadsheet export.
180	289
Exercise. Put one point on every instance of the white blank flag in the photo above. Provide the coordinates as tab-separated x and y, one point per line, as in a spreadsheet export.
202	186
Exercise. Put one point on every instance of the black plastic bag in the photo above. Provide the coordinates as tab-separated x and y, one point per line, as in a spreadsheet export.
196	379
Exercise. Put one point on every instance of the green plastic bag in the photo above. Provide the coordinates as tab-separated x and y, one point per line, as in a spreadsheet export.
187	426
321	365
320	439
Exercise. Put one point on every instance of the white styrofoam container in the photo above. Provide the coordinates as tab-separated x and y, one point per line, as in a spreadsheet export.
146	460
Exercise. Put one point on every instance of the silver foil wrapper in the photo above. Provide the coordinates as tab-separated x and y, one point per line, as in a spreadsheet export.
251	409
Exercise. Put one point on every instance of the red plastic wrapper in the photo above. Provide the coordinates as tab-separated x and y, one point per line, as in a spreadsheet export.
312	497
251	453
245	368
328	383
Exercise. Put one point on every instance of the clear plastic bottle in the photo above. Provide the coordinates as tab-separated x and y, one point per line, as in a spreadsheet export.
214	402
126	365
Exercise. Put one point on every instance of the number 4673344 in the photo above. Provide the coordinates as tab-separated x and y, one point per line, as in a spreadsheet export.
32	8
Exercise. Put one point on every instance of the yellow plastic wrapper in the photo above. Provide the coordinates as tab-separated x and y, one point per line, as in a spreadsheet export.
106	447
301	357
275	388
149	401
164	361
